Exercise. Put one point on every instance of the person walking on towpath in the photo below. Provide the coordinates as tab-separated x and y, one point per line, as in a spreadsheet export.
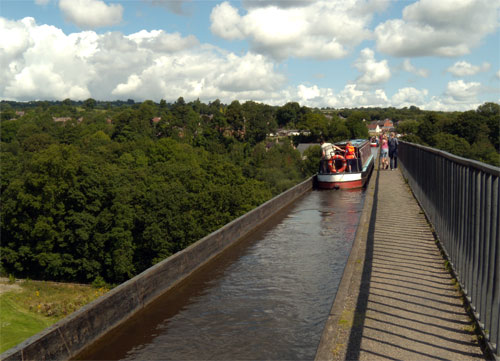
384	153
393	151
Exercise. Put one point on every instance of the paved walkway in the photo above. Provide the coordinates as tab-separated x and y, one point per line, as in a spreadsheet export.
396	300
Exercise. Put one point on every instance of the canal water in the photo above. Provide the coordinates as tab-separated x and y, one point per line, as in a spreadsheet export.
268	297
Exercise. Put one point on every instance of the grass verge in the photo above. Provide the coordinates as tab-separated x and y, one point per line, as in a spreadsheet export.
28	307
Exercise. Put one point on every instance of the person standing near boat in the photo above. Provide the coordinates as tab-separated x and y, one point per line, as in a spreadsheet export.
393	150
327	152
384	153
350	156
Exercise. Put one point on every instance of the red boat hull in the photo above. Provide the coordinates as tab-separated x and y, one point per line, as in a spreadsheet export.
342	185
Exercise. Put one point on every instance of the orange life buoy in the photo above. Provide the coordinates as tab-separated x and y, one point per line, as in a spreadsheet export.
331	162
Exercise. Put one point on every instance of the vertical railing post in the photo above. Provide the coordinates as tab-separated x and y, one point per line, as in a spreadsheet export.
494	274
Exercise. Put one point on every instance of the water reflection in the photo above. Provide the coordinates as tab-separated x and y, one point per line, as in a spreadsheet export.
268	298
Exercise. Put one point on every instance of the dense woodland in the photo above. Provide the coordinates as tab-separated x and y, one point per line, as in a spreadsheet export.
99	191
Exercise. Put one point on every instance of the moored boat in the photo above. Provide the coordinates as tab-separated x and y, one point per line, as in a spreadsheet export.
374	142
336	171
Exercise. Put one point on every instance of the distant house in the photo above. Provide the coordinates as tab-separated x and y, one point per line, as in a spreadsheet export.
65	119
281	132
289	133
388	125
19	113
61	119
156	120
373	128
380	126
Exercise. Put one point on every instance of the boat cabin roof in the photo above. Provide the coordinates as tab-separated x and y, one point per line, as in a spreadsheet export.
355	142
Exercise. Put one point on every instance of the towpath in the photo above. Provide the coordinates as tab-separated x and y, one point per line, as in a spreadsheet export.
396	300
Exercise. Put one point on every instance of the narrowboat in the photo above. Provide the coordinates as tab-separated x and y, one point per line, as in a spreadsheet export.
335	171
374	142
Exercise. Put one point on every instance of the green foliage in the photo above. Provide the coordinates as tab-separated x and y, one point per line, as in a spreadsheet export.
412	138
9	129
427	129
280	166
98	201
316	123
356	125
107	193
289	113
89	103
6	112
452	144
470	134
234	116
259	121
312	157
407	127
483	151
467	126
489	109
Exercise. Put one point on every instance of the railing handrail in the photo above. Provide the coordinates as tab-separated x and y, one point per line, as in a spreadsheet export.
461	198
457	159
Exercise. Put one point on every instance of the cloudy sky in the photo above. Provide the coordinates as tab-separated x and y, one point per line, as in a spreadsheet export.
434	54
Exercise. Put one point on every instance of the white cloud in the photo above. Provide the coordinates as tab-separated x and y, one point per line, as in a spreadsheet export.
42	82
40	63
408	66
42	2
159	41
498	74
311	94
352	96
91	14
444	28
463	68
461	91
445	104
373	72
133	84
225	22
407	97
320	29
15	39
314	96
205	74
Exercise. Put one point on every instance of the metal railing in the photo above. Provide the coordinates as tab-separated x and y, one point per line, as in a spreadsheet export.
461	199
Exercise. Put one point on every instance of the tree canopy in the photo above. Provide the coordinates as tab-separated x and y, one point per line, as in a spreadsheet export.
95	190
92	191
